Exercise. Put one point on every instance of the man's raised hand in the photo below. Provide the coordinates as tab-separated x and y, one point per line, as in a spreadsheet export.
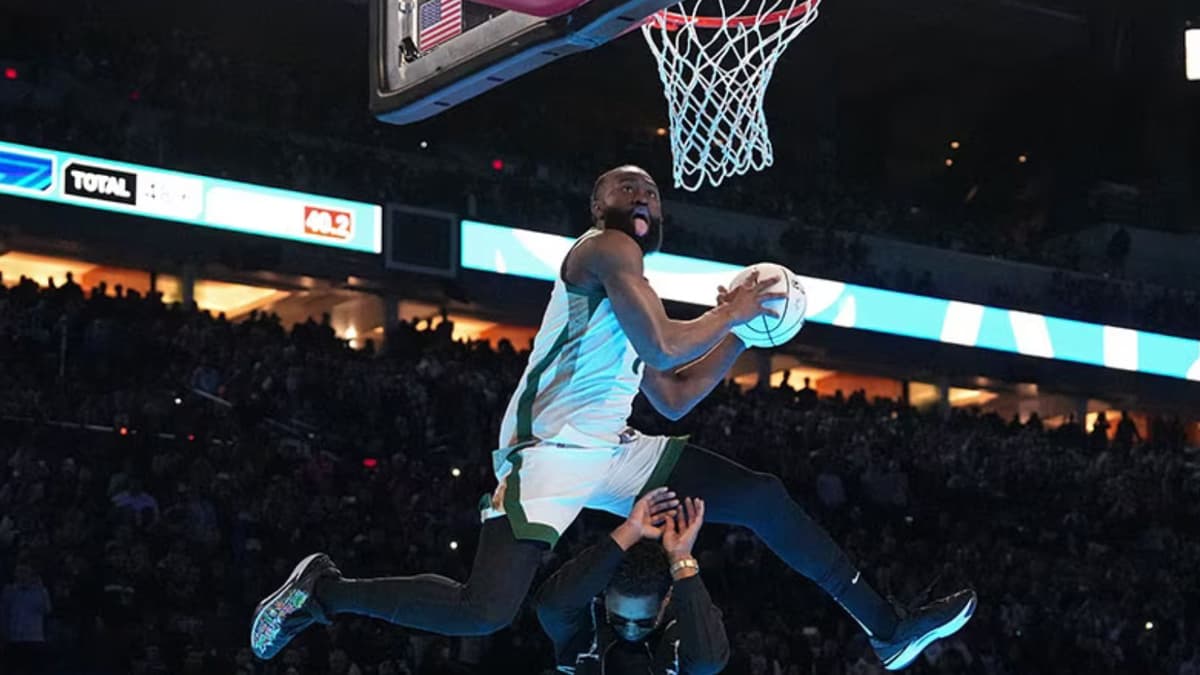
647	518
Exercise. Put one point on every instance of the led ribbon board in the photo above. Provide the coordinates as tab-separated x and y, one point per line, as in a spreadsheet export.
503	250
90	182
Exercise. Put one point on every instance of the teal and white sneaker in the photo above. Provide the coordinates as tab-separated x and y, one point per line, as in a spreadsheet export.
285	613
921	628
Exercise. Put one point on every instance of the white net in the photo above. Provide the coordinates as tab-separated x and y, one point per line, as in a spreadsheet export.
715	75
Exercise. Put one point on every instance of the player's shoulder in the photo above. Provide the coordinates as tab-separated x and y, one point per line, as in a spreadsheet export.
609	250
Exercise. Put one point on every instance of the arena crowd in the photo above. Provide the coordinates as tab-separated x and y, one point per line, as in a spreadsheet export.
163	468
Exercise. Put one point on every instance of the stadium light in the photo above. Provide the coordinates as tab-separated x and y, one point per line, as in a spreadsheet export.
1192	43
456	472
454	546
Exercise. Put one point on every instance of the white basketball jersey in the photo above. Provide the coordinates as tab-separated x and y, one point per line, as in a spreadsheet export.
582	376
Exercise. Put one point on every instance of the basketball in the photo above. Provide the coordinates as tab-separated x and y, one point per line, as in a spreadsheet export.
768	331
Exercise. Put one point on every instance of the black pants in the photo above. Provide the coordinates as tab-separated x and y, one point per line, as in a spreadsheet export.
504	566
500	578
735	495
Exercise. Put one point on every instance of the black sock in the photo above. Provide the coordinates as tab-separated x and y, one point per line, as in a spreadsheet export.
851	590
337	596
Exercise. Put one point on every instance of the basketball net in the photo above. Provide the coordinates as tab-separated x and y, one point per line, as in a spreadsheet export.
715	70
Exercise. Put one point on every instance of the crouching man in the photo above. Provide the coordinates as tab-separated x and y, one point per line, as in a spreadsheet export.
632	605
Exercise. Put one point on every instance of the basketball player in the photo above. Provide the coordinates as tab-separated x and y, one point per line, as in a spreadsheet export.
564	446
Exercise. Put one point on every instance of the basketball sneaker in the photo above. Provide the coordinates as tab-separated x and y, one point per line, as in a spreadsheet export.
917	631
285	613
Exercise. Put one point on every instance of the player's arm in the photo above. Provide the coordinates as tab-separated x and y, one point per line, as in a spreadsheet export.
615	261
674	393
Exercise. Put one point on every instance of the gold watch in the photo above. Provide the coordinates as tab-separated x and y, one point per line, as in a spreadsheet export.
684	563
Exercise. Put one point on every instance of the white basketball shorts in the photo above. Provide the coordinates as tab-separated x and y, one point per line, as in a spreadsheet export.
543	487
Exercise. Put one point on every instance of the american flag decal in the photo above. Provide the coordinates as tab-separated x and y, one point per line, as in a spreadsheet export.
437	21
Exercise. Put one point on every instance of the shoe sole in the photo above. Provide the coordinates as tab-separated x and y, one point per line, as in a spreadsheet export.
914	649
270	600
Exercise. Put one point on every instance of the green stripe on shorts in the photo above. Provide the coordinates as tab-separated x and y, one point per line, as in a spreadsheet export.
522	528
665	464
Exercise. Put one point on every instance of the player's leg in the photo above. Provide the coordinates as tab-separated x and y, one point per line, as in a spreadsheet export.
735	495
500	578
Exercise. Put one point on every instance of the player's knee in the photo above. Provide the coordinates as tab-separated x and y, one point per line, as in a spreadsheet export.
769	488
495	615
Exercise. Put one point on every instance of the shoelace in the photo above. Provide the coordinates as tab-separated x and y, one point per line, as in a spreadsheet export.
921	599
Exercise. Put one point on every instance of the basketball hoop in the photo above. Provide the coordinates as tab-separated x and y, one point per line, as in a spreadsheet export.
715	70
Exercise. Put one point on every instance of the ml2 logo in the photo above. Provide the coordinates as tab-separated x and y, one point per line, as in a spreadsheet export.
93	182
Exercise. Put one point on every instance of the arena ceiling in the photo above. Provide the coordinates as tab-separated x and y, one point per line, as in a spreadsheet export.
875	44
901	59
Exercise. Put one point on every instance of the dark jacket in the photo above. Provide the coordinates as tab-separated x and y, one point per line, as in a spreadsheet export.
690	641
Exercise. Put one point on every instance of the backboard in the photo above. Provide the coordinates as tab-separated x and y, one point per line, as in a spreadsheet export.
430	55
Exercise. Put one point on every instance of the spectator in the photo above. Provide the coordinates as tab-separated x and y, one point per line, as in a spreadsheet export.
1127	433
1100	433
1118	248
135	503
24	606
651	623
340	664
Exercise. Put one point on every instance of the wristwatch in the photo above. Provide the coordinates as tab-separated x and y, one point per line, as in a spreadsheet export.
681	564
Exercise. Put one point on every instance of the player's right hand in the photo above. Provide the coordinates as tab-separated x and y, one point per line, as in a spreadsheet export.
745	302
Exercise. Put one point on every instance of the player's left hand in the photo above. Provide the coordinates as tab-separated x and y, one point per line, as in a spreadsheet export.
722	295
746	299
